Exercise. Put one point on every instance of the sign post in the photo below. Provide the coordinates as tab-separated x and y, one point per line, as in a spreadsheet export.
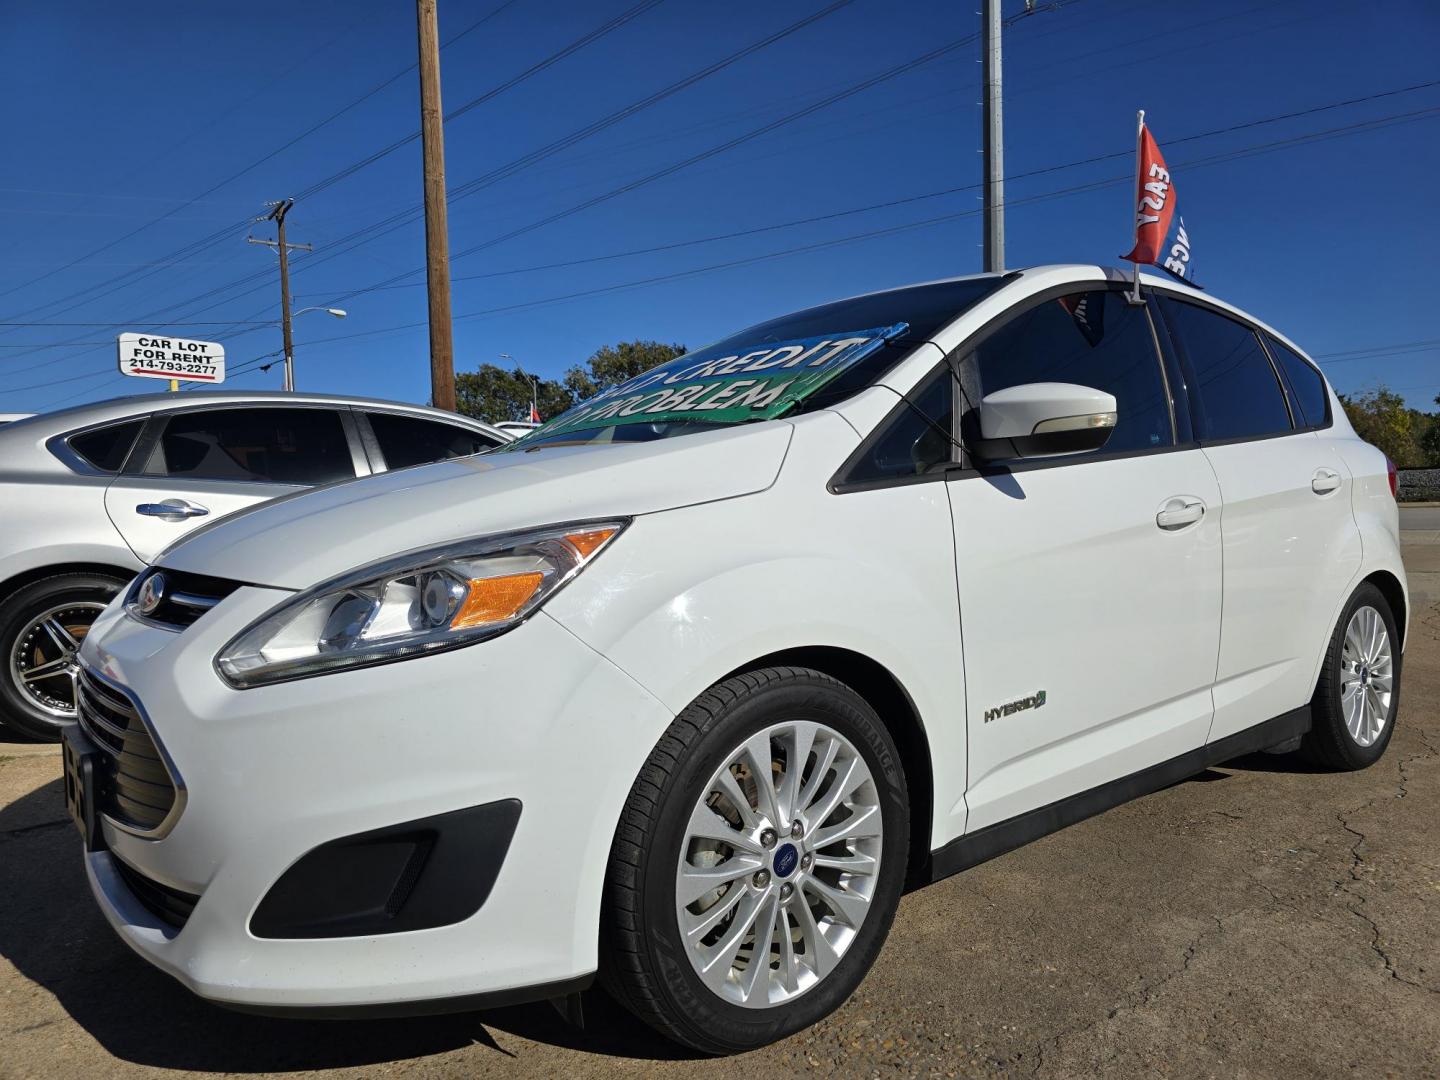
156	356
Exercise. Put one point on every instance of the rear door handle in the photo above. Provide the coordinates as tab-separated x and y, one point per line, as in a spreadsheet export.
1180	511
1324	481
172	510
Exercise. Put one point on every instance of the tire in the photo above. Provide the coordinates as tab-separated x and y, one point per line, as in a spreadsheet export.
33	707
1333	741
645	963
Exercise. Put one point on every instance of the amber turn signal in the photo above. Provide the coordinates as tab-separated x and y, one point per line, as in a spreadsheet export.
587	543
495	599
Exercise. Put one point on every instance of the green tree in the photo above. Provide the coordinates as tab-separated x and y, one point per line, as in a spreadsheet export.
1430	438
1379	416
613	364
491	393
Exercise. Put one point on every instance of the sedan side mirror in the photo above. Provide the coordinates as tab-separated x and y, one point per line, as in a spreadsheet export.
1041	419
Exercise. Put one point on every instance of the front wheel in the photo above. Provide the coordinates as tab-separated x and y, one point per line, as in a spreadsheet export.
1353	711
758	862
41	628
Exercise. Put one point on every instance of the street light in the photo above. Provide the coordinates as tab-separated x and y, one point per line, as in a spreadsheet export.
339	313
534	386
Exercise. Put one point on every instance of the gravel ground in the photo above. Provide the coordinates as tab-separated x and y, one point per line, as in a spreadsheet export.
1419	485
1260	920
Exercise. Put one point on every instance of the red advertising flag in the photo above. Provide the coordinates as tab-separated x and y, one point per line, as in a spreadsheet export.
534	414
1155	202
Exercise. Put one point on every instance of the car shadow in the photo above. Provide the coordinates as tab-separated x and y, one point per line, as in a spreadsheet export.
1274	763
55	936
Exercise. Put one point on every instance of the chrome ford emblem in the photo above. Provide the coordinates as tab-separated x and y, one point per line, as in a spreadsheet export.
151	595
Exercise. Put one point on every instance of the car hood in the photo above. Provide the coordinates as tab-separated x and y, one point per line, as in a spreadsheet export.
301	540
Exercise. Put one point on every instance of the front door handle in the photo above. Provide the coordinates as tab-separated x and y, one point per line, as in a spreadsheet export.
1324	481
172	510
1180	511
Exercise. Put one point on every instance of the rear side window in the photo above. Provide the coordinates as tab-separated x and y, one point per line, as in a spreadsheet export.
107	448
1236	392
408	440
267	446
1094	339
1307	386
914	441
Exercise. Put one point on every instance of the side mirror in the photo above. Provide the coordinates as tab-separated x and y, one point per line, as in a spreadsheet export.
1041	419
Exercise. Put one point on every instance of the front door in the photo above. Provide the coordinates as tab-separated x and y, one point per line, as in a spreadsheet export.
200	465
1089	584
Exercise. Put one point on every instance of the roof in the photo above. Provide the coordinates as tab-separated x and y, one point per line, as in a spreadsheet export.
130	405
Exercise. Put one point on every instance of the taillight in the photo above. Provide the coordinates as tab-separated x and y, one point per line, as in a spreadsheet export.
1394	480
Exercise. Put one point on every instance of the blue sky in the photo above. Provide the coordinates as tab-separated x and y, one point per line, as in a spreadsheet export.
115	115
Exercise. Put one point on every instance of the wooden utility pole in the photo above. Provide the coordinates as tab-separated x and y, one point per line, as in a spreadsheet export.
991	29
437	235
278	210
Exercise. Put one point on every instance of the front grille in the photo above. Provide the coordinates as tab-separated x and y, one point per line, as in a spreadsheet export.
185	597
134	787
170	906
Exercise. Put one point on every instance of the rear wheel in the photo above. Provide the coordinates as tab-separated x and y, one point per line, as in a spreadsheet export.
1358	695
41	628
758	863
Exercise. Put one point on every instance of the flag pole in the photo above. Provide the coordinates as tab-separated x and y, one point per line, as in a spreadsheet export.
1139	139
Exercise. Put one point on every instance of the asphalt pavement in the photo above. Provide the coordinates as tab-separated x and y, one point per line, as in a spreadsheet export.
1263	919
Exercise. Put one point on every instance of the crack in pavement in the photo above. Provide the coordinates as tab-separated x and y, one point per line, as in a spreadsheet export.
1355	877
1137	999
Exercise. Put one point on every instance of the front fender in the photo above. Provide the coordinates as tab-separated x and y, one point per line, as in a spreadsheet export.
689	595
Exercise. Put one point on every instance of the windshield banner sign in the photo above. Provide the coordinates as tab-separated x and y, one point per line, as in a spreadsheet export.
759	383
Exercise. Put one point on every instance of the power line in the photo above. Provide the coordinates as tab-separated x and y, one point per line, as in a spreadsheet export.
890	203
247	169
1112	181
366	233
671	169
1077	189
586	39
194	248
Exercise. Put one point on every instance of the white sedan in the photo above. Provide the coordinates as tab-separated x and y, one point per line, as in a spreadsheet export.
684	686
90	494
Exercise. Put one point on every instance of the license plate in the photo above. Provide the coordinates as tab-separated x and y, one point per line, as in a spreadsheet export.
79	757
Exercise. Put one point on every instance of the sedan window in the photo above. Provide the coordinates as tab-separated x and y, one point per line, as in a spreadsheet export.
268	446
106	448
409	440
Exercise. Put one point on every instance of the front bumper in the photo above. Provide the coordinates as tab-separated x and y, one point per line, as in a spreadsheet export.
276	772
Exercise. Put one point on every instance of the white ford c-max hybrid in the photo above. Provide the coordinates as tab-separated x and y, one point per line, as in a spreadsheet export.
684	687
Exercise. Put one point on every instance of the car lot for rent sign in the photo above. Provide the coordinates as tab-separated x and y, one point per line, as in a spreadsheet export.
155	356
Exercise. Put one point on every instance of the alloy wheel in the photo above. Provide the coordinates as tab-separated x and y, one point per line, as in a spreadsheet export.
43	661
1367	675
779	864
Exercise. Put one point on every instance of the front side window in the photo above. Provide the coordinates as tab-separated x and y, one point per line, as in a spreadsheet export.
107	448
303	447
1233	389
915	440
1093	339
409	440
1307	385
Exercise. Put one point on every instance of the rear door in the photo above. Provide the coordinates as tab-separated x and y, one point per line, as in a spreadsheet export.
1290	543
1089	583
196	466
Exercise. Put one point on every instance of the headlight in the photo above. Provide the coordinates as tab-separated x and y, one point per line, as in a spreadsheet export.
417	603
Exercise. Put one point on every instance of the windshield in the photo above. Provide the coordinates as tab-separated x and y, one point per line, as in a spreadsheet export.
820	355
